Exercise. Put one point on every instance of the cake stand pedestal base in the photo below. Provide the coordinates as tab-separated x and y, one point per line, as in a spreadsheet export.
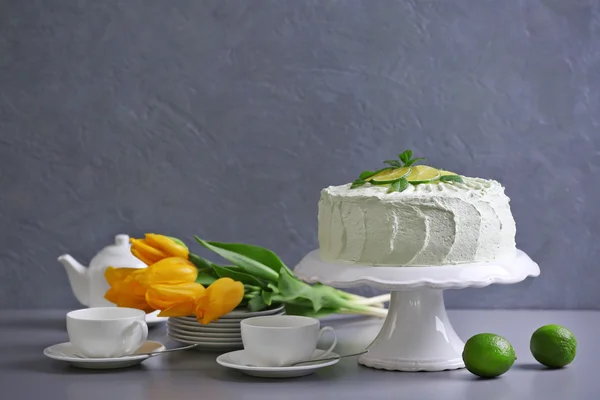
416	336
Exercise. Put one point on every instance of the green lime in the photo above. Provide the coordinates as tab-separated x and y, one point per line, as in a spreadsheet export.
488	355
553	346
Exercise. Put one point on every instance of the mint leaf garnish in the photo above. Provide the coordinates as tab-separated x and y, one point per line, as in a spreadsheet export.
393	163
399	186
366	174
451	178
411	162
357	183
407	159
405	156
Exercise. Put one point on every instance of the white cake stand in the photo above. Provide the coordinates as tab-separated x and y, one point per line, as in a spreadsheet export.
417	334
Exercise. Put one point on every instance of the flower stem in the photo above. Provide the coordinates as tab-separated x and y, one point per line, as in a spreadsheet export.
376	301
373	301
369	311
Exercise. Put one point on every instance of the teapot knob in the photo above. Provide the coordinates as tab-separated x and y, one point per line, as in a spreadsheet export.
121	240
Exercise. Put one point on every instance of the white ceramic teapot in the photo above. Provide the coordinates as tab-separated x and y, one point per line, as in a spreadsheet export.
89	283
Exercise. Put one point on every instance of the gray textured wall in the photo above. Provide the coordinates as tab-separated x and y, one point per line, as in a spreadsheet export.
226	118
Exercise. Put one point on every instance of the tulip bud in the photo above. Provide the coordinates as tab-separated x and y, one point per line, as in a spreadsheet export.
174	300
220	298
170	270
124	290
156	247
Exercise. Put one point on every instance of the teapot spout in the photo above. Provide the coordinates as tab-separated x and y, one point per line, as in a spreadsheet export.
78	278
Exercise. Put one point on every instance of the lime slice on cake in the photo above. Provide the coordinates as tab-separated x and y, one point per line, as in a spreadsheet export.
389	175
446	173
422	174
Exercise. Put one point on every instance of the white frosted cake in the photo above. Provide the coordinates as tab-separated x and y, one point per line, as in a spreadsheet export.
433	223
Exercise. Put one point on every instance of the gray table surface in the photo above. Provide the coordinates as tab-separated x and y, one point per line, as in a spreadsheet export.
26	374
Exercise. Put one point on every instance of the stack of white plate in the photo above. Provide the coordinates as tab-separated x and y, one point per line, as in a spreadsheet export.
223	334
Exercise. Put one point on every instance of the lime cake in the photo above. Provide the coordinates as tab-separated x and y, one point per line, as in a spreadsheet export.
407	215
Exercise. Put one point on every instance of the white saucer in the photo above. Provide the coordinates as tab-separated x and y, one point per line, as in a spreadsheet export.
233	318
203	328
222	321
217	324
237	314
66	352
178	331
204	339
201	345
241	361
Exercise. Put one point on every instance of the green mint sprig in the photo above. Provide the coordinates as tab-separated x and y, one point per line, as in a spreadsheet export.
393	163
406	158
357	183
399	186
451	178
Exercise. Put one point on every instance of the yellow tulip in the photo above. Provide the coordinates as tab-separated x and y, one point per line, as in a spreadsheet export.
220	298
156	247
174	300
170	270
117	275
124	290
128	286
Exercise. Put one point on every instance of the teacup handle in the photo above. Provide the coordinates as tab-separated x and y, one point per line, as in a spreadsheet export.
131	346
330	349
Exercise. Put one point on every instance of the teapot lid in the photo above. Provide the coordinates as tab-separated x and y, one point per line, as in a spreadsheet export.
121	246
119	253
121	240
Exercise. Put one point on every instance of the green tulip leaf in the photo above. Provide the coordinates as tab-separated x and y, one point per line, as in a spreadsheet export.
297	309
256	304
253	260
178	241
319	296
199	262
237	275
267	297
205	278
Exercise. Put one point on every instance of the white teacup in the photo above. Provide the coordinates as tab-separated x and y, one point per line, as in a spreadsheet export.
107	331
281	340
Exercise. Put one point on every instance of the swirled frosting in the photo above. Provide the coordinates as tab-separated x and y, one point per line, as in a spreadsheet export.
427	224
